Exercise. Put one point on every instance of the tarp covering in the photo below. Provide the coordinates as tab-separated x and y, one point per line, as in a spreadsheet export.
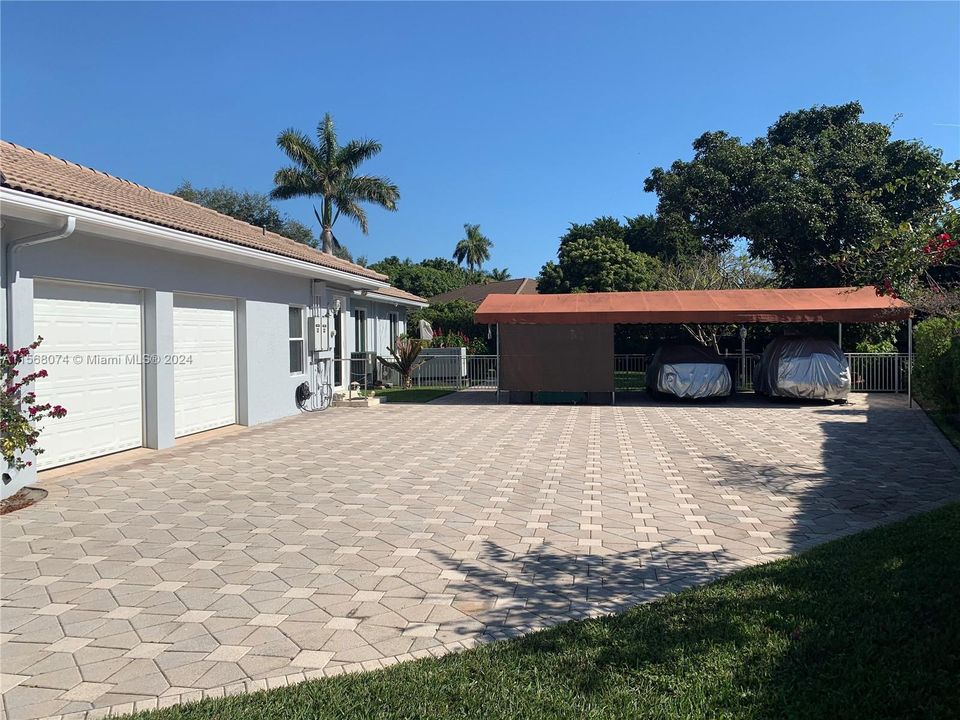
695	306
557	358
803	367
688	371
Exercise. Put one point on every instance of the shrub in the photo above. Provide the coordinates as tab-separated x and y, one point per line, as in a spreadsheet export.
936	354
450	317
478	346
20	411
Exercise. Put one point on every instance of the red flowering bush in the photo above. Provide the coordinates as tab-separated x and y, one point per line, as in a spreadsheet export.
19	410
918	260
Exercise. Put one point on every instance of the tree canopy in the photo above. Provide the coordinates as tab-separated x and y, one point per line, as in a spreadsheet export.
642	233
802	193
427	277
327	170
432	276
254	208
598	264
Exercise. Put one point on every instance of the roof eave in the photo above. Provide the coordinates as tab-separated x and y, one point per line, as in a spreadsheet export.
35	207
380	297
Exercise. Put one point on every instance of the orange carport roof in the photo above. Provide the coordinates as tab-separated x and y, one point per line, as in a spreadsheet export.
700	306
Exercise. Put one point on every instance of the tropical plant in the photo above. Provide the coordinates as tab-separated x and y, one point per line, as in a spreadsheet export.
474	249
449	339
406	358
326	170
498	275
19	412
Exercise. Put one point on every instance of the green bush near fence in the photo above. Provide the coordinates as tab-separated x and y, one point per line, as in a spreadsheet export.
937	363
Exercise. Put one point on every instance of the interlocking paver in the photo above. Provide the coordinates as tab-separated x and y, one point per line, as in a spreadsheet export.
257	559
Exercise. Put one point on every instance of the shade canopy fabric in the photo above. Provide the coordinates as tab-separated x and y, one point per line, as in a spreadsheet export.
793	305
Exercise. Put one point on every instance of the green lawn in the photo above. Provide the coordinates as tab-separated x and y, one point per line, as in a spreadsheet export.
865	627
629	380
413	395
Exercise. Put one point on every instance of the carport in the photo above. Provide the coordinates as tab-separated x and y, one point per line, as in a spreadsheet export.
564	343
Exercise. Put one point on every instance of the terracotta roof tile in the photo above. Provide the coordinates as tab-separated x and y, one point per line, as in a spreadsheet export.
477	293
41	174
402	294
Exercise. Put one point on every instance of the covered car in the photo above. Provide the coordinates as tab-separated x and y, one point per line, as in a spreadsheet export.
688	371
803	367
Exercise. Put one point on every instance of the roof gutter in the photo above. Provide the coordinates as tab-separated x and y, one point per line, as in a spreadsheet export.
36	207
10	263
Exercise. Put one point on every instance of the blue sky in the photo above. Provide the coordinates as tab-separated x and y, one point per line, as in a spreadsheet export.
520	117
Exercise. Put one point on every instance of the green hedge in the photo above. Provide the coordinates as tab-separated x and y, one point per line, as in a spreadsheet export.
936	371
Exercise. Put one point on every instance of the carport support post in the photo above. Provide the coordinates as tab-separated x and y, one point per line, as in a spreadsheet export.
498	363
840	335
910	361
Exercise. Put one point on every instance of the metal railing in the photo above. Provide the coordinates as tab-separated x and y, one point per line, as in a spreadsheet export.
869	372
878	372
437	371
460	371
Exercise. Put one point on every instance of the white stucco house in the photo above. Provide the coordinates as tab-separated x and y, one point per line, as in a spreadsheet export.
162	318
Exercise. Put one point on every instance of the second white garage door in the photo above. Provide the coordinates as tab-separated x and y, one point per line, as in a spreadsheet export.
205	376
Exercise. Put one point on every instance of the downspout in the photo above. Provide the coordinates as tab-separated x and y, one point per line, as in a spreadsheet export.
10	262
910	361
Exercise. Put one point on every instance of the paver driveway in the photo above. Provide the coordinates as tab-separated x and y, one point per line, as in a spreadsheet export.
354	538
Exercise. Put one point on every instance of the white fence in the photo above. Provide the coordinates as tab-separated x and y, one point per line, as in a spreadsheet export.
879	372
461	371
437	369
869	372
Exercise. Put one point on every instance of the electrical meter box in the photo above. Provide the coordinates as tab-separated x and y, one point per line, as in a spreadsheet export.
320	333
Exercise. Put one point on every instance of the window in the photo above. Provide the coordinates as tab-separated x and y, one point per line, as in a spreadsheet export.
360	317
296	340
394	328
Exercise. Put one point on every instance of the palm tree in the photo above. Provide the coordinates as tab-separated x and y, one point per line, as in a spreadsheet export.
326	170
497	275
474	248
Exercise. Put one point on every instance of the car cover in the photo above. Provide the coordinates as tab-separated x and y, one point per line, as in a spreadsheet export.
688	371
803	367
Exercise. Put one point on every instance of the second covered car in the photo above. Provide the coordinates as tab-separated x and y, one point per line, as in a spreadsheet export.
808	368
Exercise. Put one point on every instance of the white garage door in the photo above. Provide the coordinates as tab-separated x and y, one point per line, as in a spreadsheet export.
92	339
205	385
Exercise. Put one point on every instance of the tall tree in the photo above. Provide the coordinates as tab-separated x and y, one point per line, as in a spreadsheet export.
474	249
498	275
326	170
802	193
